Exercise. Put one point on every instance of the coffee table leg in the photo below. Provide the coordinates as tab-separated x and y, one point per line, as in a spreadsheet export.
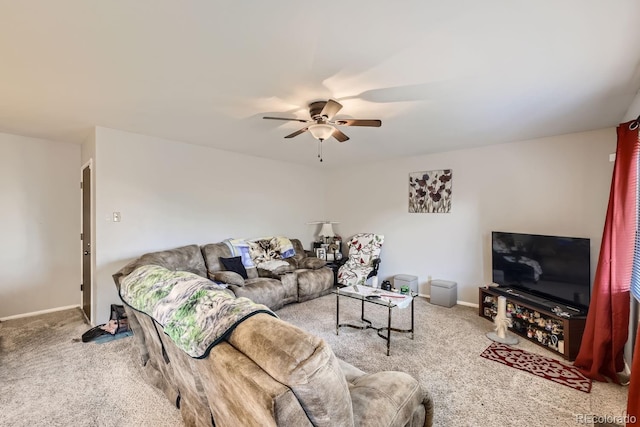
389	332
413	299
337	314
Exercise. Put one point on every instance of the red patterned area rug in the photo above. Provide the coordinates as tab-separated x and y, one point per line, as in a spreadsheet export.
539	366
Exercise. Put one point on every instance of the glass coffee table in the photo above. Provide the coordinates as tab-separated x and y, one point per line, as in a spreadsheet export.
375	296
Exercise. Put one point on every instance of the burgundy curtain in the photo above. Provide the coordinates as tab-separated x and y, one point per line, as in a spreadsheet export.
602	350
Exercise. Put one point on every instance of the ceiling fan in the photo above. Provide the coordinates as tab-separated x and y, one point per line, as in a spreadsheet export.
322	115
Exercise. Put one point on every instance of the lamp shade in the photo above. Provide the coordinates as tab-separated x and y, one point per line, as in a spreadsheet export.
327	230
321	131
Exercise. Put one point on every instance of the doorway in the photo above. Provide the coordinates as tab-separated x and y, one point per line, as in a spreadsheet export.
85	237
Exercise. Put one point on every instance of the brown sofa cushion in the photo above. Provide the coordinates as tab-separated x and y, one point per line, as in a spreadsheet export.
229	277
277	272
262	290
386	398
295	260
301	361
312	263
313	283
242	394
186	258
212	253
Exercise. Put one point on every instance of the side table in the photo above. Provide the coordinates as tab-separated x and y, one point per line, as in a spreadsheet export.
335	265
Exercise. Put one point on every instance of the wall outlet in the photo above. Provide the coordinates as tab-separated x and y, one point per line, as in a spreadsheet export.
116	217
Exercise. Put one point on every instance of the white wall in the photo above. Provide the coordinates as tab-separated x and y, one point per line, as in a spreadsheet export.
171	194
88	148
634	109
39	225
555	186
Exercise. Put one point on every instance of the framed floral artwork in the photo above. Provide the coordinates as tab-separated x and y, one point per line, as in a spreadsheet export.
430	191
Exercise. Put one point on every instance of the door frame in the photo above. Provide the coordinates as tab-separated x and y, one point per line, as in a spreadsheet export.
88	164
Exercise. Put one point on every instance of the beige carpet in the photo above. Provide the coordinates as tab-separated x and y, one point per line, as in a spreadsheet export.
49	378
467	389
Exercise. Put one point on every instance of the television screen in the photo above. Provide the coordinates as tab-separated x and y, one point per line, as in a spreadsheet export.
552	267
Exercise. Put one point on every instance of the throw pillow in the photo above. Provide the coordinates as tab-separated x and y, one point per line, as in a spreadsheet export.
234	264
240	247
229	277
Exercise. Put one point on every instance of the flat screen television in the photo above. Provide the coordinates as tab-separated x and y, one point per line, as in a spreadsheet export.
552	267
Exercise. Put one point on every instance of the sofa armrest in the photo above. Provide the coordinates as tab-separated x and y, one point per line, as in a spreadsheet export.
388	399
301	361
375	263
276	273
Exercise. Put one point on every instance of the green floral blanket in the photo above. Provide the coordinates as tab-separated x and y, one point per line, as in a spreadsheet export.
195	313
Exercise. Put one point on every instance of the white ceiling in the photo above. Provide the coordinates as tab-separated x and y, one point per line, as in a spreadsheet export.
440	75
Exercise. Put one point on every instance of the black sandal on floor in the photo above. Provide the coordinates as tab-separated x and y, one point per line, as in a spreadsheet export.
93	333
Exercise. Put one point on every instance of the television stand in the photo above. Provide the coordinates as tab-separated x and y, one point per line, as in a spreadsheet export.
515	293
533	318
577	310
541	302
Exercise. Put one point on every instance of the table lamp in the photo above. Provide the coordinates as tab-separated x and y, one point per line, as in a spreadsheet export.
326	231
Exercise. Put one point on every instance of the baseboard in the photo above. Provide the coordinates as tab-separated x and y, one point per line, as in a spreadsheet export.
466	304
35	313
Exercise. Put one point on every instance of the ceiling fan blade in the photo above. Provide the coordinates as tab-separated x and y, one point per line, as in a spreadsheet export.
358	122
337	134
298	132
284	118
331	108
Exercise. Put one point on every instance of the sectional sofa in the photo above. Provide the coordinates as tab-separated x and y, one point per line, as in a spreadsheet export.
267	372
303	279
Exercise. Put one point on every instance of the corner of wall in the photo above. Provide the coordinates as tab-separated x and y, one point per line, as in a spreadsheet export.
634	109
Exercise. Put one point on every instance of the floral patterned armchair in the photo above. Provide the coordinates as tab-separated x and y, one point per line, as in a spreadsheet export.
363	261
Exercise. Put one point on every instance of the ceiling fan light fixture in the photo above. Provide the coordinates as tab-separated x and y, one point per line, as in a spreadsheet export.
321	121
321	131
